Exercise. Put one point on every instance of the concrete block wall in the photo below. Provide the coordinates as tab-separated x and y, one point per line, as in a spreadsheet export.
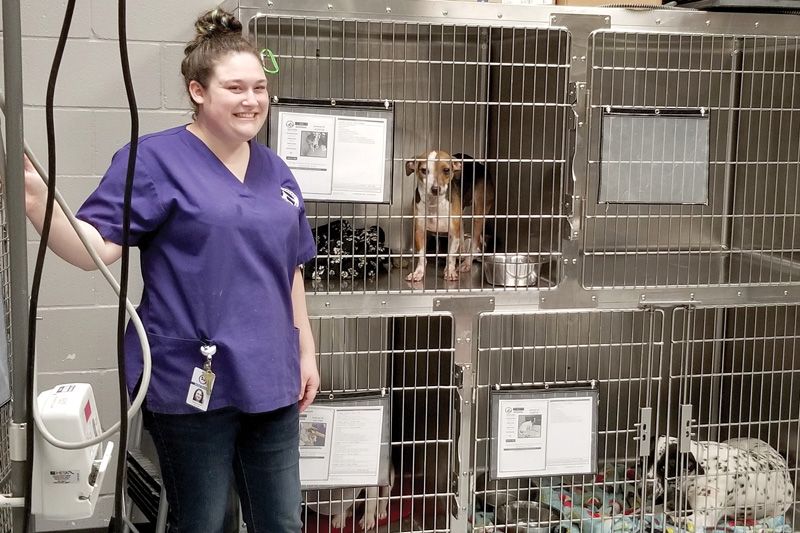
76	339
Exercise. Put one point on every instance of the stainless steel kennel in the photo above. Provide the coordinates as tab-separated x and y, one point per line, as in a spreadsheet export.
650	160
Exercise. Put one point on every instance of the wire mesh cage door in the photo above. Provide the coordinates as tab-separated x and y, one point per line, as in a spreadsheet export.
676	201
620	352
5	409
411	359
733	379
491	104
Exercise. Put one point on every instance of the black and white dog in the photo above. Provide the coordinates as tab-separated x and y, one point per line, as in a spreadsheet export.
739	478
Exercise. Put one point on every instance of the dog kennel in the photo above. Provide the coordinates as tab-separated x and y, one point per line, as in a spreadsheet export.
646	166
646	163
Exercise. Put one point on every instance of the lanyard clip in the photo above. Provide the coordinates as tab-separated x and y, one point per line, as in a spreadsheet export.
208	351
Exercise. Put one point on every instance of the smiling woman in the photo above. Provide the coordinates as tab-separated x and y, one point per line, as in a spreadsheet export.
234	104
221	225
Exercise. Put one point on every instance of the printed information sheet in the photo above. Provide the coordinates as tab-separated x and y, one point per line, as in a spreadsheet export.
340	446
335	157
544	436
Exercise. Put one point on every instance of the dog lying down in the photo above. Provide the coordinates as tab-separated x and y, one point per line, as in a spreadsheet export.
738	478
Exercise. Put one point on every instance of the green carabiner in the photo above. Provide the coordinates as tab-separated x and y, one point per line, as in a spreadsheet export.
267	53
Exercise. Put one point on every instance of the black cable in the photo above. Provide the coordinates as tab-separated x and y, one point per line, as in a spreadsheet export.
37	271
39	267
119	490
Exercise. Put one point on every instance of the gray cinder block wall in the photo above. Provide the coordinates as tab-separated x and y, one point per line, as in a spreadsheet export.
76	340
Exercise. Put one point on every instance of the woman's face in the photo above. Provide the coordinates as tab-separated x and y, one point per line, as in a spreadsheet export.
234	105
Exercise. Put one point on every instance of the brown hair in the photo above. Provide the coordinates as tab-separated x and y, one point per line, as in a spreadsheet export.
219	33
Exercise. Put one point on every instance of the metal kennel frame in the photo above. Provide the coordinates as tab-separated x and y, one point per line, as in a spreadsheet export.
679	312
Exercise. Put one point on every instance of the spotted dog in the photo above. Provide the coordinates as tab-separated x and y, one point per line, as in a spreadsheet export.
740	478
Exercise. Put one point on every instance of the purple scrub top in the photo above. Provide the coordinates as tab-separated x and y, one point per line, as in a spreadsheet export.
218	258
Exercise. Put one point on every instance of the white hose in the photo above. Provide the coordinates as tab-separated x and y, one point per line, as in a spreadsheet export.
137	324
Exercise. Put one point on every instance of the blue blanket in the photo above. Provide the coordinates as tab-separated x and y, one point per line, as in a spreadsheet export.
612	505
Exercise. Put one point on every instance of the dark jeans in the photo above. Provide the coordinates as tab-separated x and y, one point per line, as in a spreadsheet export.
201	454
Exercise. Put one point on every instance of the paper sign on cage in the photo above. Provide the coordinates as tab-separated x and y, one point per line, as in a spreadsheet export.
345	443
338	152
543	433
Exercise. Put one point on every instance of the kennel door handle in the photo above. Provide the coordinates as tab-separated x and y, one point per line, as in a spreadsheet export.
685	425
643	431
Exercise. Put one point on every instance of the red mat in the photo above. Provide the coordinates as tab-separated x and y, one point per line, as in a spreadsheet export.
398	510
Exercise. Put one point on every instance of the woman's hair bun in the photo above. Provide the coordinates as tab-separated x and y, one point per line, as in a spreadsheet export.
215	23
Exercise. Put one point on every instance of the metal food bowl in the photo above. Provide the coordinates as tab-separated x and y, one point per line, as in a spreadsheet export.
526	517
511	270
499	492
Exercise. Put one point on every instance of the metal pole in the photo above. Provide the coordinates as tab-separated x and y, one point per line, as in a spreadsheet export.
17	236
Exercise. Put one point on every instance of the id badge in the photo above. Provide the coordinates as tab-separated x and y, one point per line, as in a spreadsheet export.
199	394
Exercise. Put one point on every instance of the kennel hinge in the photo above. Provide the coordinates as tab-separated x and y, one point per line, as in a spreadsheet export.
458	374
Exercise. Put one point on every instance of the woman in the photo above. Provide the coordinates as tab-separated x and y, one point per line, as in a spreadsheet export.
221	228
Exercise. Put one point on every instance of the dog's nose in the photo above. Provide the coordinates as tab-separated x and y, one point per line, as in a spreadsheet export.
434	190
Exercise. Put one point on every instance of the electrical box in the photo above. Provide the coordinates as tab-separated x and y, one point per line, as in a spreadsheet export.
66	483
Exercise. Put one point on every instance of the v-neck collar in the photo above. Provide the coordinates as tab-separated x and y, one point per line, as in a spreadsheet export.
251	161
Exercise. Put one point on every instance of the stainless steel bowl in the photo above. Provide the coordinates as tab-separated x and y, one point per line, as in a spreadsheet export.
511	270
526	517
497	492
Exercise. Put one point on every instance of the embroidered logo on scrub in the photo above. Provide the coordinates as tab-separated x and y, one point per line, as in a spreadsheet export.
290	196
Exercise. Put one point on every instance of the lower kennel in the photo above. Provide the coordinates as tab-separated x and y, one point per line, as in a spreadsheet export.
410	361
710	373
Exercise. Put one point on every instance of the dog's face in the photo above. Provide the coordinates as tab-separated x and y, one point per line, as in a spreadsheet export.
667	464
739	477
435	171
313	141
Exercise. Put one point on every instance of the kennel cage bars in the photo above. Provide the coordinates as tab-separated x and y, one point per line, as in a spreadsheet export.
575	211
717	372
527	69
608	52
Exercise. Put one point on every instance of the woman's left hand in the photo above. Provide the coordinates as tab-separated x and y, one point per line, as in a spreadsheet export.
309	380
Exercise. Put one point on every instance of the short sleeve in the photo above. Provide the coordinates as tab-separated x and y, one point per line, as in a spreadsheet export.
306	247
103	208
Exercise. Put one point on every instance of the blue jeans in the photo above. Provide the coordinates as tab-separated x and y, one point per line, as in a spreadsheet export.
202	454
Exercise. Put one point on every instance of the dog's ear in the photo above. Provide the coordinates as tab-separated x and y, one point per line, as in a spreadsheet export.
692	466
411	167
651	458
672	463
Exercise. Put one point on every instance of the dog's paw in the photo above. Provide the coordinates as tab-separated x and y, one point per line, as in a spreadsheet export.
338	520
383	510
417	275
451	273
465	266
367	521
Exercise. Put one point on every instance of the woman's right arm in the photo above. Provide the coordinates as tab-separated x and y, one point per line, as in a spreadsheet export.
63	239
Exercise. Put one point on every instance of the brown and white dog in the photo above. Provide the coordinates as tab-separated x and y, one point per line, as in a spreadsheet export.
446	186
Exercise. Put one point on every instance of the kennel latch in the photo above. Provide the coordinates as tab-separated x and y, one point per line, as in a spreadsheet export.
643	430
685	424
